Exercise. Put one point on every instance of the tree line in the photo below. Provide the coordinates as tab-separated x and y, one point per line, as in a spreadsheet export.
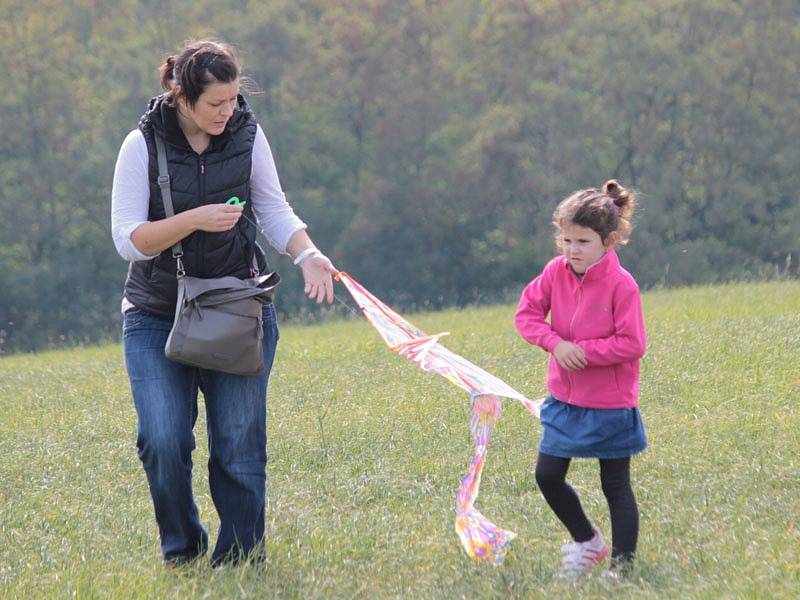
426	142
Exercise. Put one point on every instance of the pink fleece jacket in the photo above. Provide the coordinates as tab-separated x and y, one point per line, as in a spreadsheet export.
601	313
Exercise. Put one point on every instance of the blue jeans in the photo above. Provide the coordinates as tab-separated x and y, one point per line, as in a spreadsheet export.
165	395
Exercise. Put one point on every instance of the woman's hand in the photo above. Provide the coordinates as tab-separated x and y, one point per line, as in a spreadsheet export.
569	356
317	270
156	236
216	217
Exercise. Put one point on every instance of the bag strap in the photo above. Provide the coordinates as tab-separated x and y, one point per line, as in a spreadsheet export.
166	196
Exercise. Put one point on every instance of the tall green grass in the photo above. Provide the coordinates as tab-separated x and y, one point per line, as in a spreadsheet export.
366	453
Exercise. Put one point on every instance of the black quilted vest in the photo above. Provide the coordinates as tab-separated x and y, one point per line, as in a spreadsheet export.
221	171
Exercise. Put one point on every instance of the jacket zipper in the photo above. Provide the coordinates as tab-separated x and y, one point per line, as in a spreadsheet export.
572	331
572	320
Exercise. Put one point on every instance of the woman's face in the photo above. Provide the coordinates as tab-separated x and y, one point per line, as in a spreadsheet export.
583	246
214	107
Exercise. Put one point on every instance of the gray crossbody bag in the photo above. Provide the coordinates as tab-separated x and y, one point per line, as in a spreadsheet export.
218	322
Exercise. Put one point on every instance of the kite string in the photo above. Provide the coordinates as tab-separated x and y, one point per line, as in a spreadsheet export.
347	306
342	302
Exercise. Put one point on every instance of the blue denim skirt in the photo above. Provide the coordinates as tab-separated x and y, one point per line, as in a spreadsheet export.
570	431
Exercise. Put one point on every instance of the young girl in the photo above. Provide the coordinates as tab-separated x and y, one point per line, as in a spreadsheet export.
595	338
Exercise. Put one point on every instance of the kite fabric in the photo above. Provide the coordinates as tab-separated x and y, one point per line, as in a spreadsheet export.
481	539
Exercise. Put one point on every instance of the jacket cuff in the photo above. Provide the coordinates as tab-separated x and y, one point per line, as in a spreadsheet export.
551	342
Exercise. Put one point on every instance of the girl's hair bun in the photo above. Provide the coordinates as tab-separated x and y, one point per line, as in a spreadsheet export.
612	189
616	192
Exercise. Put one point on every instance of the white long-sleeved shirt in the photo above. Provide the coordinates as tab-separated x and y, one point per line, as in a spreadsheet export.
130	196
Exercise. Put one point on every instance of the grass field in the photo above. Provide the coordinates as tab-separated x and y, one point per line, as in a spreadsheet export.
366	453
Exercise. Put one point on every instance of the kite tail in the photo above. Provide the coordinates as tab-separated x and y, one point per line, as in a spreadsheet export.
481	539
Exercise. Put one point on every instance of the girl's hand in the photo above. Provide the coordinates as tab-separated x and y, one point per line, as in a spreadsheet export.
317	270
569	356
216	217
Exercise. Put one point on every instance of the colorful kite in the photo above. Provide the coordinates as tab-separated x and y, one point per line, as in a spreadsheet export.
482	540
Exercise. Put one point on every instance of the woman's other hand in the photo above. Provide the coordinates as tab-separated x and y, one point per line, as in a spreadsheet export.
317	272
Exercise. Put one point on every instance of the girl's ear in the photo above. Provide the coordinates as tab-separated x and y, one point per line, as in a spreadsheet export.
611	240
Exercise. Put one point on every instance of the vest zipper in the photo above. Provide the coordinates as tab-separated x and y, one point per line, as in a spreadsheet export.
202	161
201	242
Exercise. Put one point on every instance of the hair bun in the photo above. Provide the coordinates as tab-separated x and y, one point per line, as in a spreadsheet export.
616	192
612	188
167	72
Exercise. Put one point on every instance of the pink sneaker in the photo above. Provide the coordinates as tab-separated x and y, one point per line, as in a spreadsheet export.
580	557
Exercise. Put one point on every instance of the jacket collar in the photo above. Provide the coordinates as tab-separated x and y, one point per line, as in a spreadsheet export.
163	117
608	264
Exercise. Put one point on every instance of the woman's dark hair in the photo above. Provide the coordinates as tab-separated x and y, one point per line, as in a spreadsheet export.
199	64
604	211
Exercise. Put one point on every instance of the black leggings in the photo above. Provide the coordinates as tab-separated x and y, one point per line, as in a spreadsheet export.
615	478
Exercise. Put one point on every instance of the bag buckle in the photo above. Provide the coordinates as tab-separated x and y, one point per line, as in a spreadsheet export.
180	271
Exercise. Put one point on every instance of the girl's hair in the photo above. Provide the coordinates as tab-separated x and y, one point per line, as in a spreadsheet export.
199	64
603	211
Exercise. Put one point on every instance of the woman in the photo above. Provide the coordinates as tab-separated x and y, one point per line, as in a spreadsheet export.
215	150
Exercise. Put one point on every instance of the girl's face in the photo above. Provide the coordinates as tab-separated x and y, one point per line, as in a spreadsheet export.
583	247
214	107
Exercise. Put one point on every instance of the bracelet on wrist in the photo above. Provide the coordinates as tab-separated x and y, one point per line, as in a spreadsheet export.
305	254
